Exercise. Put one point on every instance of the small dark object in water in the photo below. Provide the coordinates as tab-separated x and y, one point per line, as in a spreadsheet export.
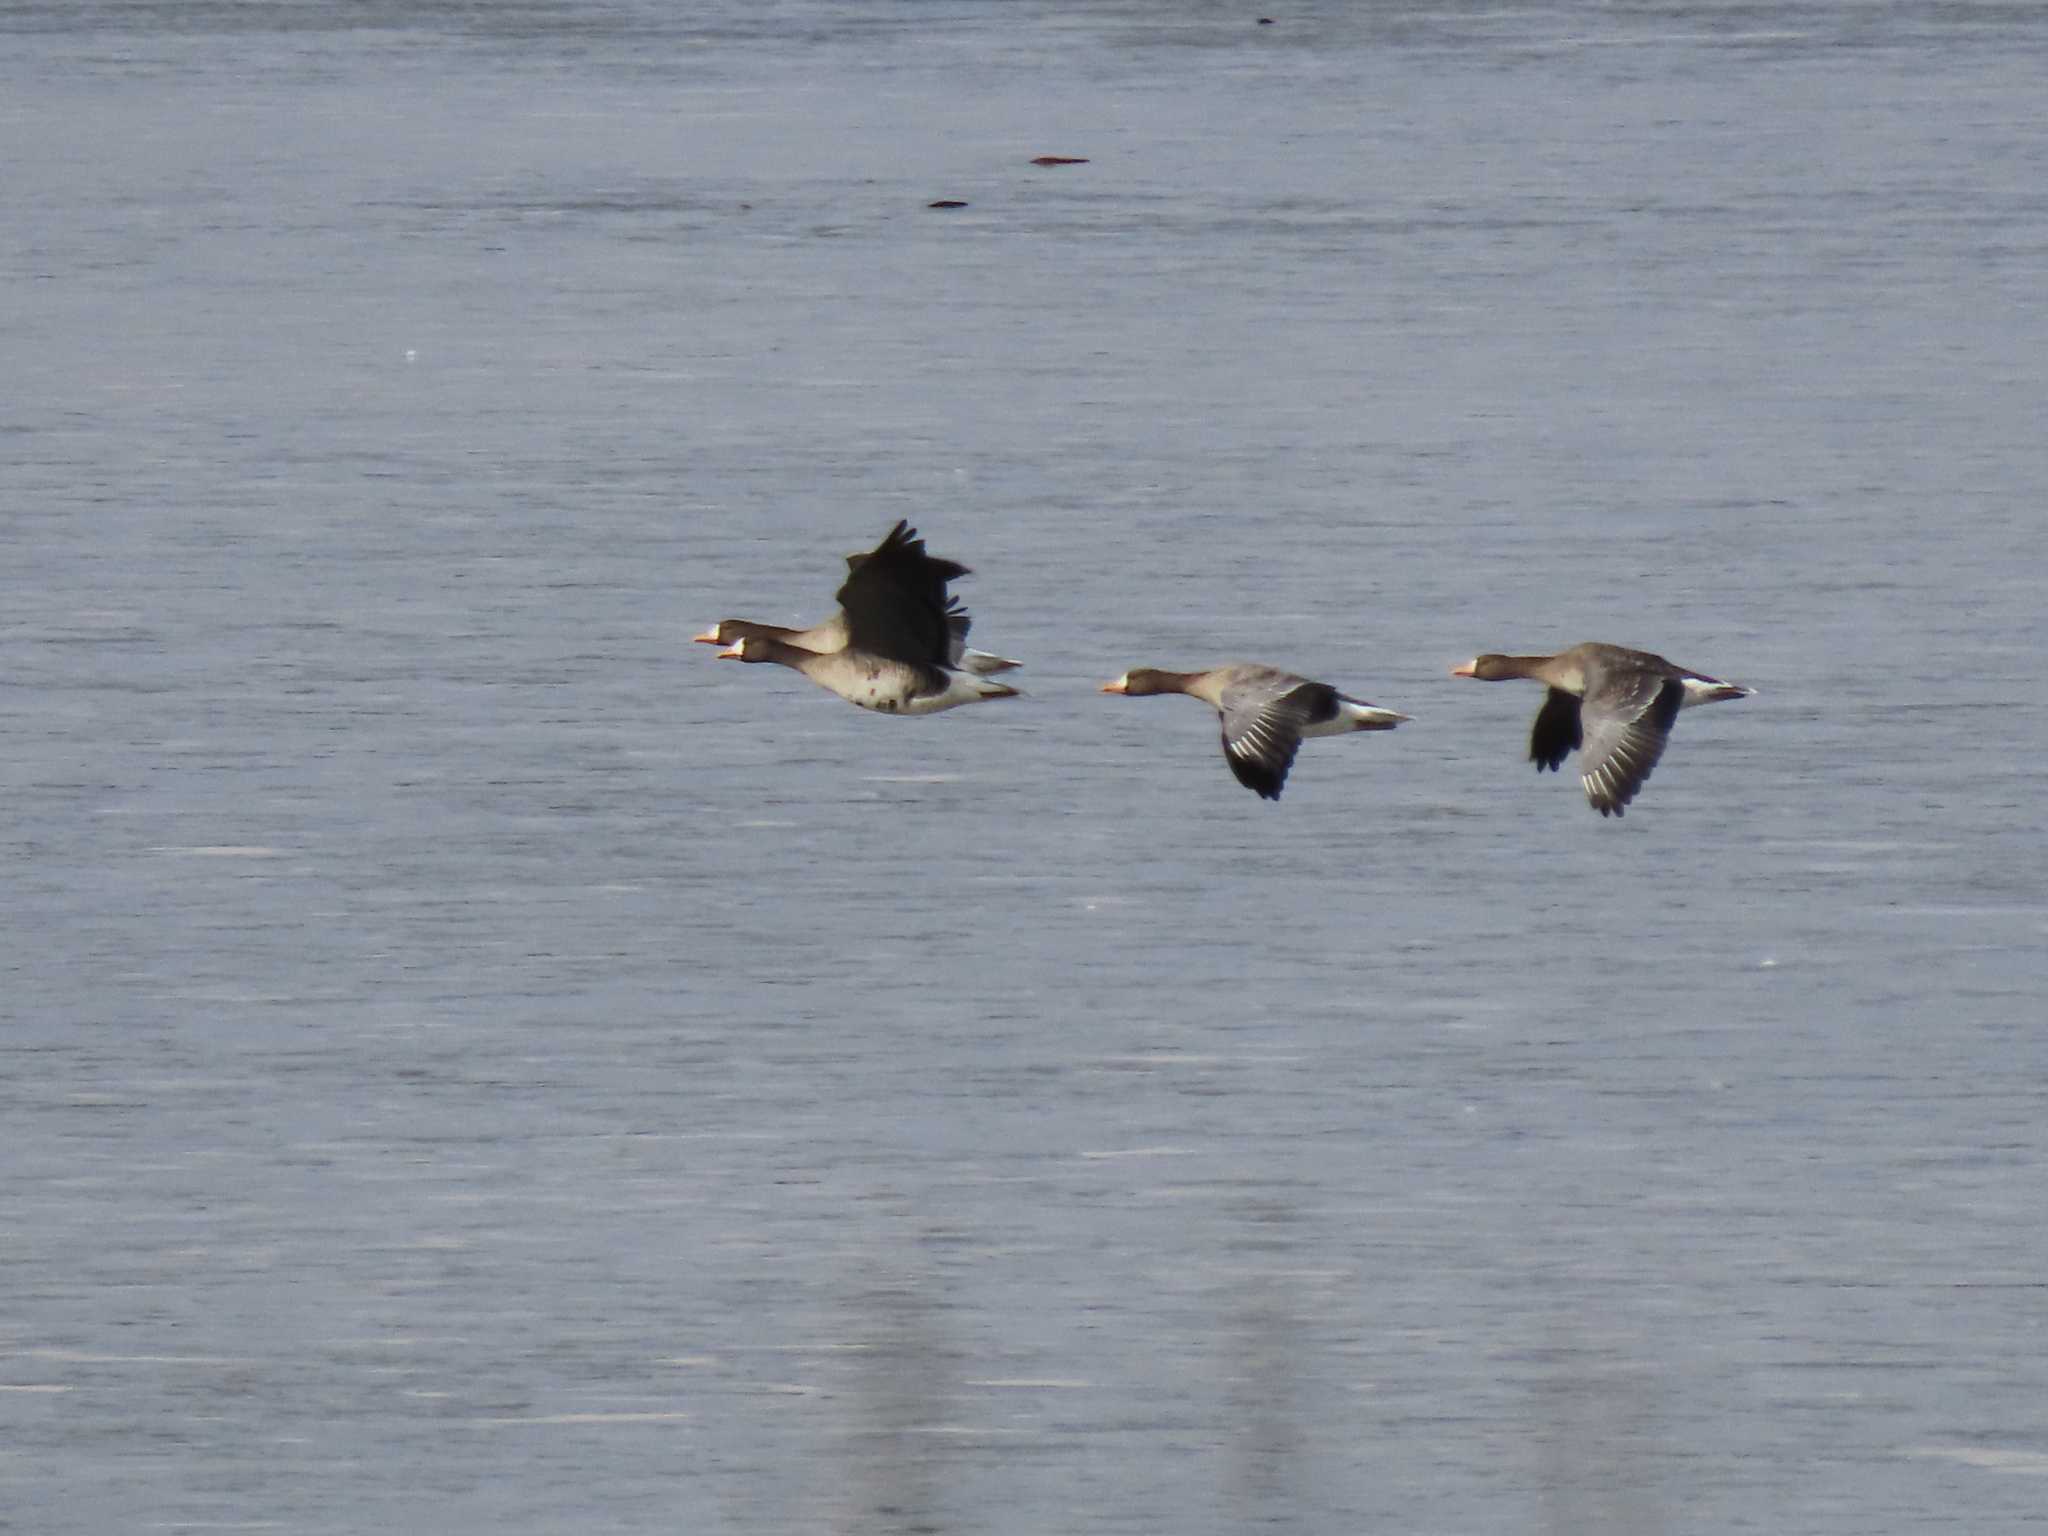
947	202
1265	21
1060	160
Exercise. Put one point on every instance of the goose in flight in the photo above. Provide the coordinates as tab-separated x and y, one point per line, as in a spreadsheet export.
1266	714
1614	706
897	644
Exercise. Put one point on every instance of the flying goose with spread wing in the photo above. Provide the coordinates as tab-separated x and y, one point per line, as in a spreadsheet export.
898	643
1266	714
1614	706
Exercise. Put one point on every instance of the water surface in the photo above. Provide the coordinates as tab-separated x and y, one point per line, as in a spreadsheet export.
474	1063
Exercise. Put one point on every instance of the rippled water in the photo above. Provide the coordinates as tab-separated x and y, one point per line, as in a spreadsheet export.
473	1064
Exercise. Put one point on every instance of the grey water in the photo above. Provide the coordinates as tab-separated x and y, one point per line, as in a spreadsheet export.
471	1062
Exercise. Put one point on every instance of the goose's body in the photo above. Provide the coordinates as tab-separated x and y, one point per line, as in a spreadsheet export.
895	646
1266	714
1613	706
830	635
872	681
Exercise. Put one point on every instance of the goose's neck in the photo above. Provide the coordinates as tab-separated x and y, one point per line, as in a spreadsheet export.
774	648
1151	680
1563	671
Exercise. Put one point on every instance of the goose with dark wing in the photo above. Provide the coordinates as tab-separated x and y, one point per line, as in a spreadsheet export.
900	637
1614	706
1266	714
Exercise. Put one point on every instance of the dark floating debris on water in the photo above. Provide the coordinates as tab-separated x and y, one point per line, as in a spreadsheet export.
1265	21
1060	160
947	202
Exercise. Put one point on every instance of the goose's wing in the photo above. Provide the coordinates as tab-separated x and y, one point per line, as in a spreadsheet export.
894	599
1264	714
1557	733
957	626
1626	718
953	567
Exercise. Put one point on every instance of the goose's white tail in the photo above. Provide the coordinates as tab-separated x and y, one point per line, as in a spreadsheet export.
1357	715
983	663
1709	690
961	688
